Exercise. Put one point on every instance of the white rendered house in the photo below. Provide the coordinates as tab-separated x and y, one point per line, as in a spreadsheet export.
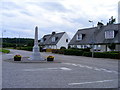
55	40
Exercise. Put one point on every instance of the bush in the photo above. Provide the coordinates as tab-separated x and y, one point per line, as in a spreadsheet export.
87	54
58	51
106	55
26	48
74	48
73	52
49	50
85	49
113	52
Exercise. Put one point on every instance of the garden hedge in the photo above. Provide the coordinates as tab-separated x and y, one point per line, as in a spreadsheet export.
26	48
102	55
82	52
73	52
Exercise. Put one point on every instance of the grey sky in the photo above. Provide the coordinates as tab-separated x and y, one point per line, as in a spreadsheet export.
21	17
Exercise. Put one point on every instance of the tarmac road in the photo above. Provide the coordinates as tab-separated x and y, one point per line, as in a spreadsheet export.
72	72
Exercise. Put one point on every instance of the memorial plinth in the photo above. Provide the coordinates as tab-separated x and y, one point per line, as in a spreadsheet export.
36	51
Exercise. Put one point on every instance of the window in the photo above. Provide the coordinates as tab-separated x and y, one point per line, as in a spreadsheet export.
79	37
109	34
44	39
41	40
56	38
66	40
53	39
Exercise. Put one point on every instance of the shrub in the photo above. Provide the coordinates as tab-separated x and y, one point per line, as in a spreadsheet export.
58	51
50	56
55	51
74	48
17	56
49	50
87	54
113	52
73	52
112	46
26	48
106	55
85	49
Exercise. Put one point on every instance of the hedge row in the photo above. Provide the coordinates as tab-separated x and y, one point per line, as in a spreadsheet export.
73	52
103	55
25	48
58	51
112	55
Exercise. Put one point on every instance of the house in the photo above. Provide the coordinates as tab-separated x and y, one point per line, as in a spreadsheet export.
55	40
100	37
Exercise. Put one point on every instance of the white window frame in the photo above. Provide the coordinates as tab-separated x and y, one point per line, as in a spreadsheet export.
109	34
53	39
79	37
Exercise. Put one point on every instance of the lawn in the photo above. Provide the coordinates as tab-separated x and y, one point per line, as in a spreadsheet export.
4	50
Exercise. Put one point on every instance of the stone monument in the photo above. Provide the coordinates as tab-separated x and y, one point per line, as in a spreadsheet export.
36	53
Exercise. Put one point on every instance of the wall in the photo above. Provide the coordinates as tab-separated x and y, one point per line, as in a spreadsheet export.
50	47
118	47
62	41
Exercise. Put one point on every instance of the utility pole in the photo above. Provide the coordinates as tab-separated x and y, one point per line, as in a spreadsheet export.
19	40
92	39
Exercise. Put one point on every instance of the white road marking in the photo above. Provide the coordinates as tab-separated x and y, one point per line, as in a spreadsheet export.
90	82
39	69
9	54
92	68
64	68
89	67
80	65
74	64
97	69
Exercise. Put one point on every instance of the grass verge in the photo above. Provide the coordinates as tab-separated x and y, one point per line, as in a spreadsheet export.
4	50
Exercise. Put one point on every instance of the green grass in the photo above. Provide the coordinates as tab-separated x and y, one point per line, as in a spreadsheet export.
4	50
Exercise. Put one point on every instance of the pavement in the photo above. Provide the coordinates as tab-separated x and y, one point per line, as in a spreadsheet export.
71	72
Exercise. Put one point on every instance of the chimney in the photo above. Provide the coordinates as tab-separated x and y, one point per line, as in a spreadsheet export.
53	33
99	25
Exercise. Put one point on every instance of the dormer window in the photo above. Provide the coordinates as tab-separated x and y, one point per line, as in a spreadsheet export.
44	39
79	36
56	38
109	34
41	40
53	39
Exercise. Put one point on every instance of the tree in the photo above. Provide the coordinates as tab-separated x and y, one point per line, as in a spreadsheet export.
112	46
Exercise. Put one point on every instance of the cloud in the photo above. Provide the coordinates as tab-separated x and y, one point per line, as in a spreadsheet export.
53	15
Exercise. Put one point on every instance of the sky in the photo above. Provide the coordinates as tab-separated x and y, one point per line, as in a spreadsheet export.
19	17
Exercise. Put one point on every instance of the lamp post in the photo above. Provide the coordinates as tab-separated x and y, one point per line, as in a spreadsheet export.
3	32
92	39
2	36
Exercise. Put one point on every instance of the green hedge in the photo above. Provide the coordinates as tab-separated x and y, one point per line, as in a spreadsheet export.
103	55
106	55
87	54
82	52
58	51
73	52
113	52
26	48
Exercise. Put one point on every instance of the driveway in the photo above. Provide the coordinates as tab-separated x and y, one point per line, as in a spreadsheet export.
70	72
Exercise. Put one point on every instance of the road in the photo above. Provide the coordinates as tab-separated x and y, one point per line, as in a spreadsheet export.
71	72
